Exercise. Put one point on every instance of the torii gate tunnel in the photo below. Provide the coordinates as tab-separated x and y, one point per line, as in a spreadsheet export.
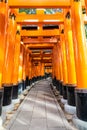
35	46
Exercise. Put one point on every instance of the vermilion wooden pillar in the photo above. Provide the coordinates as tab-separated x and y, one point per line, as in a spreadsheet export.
57	68
20	70
60	68
54	66
24	66
3	34
39	70
80	47
33	72
86	5
29	74
9	60
42	69
16	63
64	63
70	59
36	72
27	67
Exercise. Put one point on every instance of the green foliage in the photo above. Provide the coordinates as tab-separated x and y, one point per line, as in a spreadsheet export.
86	30
27	11
52	11
33	11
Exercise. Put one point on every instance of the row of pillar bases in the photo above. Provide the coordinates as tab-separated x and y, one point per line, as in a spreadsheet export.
76	98
10	92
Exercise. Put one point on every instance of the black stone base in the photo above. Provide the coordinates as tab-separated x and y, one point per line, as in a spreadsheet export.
33	80
27	81
37	78
1	99
60	87
24	84
64	89
15	91
20	87
81	104
71	95
42	77
54	81
57	84
48	75
7	96
30	81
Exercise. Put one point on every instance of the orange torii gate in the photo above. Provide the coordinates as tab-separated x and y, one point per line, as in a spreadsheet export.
40	4
40	46
40	33
86	5
80	47
39	18
39	40
53	4
41	55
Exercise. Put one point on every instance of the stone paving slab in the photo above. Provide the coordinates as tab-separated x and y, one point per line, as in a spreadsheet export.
39	111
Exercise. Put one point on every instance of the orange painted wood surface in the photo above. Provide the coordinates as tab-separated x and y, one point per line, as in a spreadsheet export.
20	72
9	52
64	62
40	33
40	18
3	34
16	57
81	46
39	4
69	52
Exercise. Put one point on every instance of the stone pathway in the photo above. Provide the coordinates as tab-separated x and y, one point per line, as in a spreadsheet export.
39	111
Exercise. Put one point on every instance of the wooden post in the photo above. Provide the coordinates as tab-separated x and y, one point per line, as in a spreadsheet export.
27	68
60	68
64	63
20	71
3	34
55	69
29	74
70	59
24	67
80	48
9	60
86	5
16	64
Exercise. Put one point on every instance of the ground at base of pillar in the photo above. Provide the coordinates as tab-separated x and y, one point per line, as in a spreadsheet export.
33	84
28	88
39	111
5	110
15	101
36	82
1	122
25	92
63	101
21	97
81	125
70	109
54	87
2	128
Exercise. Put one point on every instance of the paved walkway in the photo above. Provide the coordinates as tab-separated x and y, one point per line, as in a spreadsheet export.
39	111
